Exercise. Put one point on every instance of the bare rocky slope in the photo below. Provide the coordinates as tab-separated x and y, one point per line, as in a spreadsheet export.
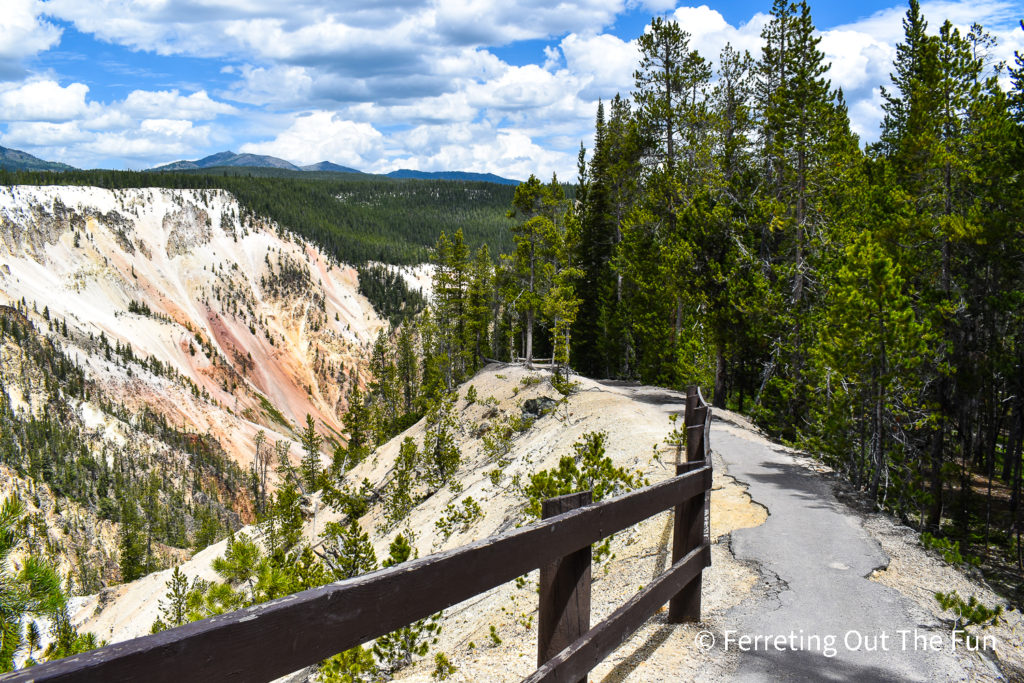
148	335
231	302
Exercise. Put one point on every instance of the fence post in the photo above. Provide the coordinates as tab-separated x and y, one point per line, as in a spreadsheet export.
692	401
688	530
564	611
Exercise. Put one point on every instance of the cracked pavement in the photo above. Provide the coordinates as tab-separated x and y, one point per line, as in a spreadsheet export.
815	557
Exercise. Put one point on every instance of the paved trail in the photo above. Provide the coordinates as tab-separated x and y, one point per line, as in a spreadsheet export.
815	553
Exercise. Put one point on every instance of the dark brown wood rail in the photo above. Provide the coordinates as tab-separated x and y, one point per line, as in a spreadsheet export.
275	638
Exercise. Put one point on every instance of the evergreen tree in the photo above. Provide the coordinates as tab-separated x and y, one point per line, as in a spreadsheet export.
347	550
131	544
175	611
311	455
32	591
479	310
357	422
440	452
540	209
397	649
407	366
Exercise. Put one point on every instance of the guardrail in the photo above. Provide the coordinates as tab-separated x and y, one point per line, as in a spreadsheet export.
275	638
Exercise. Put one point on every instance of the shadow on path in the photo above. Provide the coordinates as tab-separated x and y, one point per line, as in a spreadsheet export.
805	484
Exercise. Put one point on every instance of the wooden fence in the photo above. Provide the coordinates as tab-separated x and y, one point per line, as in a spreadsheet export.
275	638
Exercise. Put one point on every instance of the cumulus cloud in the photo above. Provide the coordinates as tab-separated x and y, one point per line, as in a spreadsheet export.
43	100
710	32
480	148
79	145
61	122
23	34
399	82
861	52
606	60
321	136
155	138
164	103
42	134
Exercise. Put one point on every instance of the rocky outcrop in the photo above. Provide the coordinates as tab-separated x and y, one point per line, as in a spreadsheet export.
187	229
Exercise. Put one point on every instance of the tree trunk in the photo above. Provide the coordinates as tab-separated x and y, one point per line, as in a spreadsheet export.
528	355
720	397
935	512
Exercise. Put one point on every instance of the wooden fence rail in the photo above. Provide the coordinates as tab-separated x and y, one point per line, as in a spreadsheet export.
275	638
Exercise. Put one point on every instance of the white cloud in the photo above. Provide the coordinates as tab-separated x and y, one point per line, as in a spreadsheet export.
154	139
710	32
608	61
322	136
273	85
334	80
997	17
61	123
479	148
23	34
43	100
167	103
44	134
858	60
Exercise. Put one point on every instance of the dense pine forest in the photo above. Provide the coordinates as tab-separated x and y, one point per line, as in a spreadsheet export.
729	230
353	217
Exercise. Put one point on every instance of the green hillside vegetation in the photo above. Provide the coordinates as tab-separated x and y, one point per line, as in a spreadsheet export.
183	499
864	304
16	160
354	218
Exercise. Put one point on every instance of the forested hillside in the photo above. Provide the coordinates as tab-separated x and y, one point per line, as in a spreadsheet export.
731	231
355	218
862	302
164	485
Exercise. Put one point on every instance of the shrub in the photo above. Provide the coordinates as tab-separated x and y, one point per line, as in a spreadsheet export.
459	520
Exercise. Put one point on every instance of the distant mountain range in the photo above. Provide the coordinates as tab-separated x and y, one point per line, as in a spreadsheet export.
16	160
222	159
230	159
452	175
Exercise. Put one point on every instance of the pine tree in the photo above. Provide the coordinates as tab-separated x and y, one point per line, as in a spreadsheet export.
806	148
310	467
33	591
596	244
347	550
357	422
479	310
131	544
440	452
538	207
397	649
407	366
175	611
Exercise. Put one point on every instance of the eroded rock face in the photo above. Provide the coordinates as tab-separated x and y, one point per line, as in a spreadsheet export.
187	229
35	225
253	331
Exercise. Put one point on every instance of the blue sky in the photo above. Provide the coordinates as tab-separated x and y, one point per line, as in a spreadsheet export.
476	85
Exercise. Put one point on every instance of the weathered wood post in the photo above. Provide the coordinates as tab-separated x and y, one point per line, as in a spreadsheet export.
564	613
688	531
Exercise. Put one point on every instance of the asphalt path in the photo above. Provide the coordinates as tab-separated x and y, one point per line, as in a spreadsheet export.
821	618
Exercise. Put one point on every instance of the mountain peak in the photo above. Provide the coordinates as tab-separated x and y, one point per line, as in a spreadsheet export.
229	158
16	160
329	166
